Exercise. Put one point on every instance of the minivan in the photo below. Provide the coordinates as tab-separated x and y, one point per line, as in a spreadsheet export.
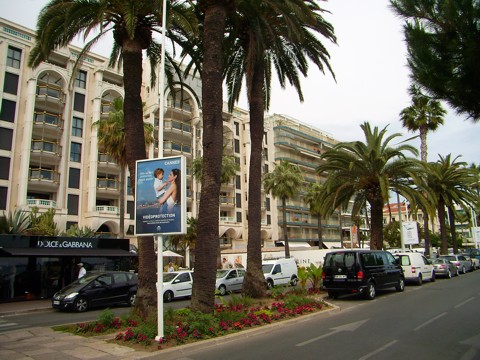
280	272
361	272
416	267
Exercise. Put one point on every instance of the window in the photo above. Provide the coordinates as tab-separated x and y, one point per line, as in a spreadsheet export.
265	169
239	217
4	168
10	86
238	182
237	129
77	126
269	219
237	145
131	209
72	204
238	200
79	102
74	178
14	56
76	152
6	136
3	197
267	204
81	80
71	224
7	112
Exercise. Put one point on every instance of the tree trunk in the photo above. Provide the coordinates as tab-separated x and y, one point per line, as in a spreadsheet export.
285	230
319	231
254	282
135	150
121	233
376	241
203	291
426	234
453	232
443	230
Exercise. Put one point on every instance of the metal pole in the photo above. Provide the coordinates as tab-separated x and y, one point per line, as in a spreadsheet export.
402	245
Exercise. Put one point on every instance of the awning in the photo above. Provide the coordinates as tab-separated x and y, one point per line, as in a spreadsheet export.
45	252
294	243
333	245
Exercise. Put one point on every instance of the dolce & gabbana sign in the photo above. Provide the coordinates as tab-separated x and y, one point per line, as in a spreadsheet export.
83	244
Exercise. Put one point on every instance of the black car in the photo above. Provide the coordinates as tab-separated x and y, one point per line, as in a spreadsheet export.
361	272
97	289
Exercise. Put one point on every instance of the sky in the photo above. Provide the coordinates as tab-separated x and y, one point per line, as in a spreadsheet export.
372	79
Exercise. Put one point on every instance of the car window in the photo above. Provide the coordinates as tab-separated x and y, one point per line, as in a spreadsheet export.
184	277
425	261
368	259
119	278
221	273
267	268
380	259
277	269
103	280
462	258
232	275
241	273
390	259
404	260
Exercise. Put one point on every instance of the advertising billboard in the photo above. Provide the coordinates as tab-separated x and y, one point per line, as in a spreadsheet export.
160	196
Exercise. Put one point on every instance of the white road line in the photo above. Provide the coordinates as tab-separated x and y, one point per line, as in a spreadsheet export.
8	324
373	353
429	321
464	302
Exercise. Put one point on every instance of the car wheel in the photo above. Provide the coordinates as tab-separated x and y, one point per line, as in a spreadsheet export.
80	304
223	290
131	299
419	279
294	281
432	279
401	285
370	294
332	295
457	273
449	274
168	296
269	284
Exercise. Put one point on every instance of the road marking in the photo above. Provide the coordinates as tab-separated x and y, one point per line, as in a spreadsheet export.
429	321
348	327
464	302
8	324
378	350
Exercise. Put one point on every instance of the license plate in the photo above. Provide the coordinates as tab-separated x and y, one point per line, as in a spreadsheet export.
340	276
55	302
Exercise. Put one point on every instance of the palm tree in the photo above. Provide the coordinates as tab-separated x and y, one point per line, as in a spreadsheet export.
133	24
281	33
111	138
367	171
313	197
284	183
447	183
424	115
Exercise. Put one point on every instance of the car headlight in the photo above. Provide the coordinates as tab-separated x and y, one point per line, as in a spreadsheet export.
71	296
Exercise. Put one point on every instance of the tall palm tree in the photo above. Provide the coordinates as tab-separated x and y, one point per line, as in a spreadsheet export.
448	183
424	114
111	138
133	24
313	197
367	171
282	33
284	183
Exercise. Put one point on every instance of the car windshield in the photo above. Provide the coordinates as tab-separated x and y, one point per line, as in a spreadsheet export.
85	279
167	277
267	268
439	261
450	258
222	273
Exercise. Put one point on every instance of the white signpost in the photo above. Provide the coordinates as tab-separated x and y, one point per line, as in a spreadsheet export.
409	232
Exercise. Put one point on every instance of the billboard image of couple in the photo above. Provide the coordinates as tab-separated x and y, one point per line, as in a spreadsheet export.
160	196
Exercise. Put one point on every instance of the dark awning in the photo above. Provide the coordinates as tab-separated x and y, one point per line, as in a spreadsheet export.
65	252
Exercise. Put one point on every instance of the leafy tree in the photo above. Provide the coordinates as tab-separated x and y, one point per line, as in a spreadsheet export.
75	231
133	24
285	34
366	171
313	197
314	273
43	224
229	168
16	222
391	234
448	183
443	48
111	138
284	183
424	114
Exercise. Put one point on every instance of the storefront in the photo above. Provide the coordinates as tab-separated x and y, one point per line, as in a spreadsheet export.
35	267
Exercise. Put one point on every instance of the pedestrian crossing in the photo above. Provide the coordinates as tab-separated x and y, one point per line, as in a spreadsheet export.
6	325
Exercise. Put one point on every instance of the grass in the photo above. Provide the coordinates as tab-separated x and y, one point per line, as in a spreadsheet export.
184	326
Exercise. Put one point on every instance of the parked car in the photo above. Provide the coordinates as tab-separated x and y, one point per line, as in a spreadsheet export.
361	272
475	261
445	268
177	284
416	267
473	253
229	280
97	289
461	262
280	272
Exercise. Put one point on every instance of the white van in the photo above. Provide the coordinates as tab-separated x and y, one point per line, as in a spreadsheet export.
280	272
416	267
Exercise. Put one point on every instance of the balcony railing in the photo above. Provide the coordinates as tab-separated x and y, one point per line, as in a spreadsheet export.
108	184
46	146
43	174
41	203
168	145
46	118
50	91
105	158
107	209
177	125
227	200
227	219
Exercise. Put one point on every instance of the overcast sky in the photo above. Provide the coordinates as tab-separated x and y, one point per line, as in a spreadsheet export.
371	79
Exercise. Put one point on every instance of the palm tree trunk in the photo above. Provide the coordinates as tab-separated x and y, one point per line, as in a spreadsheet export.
135	150
319	231
285	232
203	290
453	232
121	233
254	282
426	234
443	230
376	240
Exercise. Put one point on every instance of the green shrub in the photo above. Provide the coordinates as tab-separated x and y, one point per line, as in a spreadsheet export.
200	323
292	300
106	317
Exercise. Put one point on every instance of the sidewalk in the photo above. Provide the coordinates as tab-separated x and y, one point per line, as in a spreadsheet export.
19	307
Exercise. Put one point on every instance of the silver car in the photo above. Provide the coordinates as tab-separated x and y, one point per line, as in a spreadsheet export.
229	280
461	262
443	267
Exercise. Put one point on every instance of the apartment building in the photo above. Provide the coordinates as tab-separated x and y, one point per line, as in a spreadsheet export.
50	157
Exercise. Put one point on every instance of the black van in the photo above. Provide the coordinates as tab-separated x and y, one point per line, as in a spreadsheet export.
362	272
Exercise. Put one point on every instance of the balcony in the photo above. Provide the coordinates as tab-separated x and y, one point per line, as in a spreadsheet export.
49	97
106	209
227	201
172	148
41	203
107	164
177	131
47	152
108	187
43	179
227	219
49	124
